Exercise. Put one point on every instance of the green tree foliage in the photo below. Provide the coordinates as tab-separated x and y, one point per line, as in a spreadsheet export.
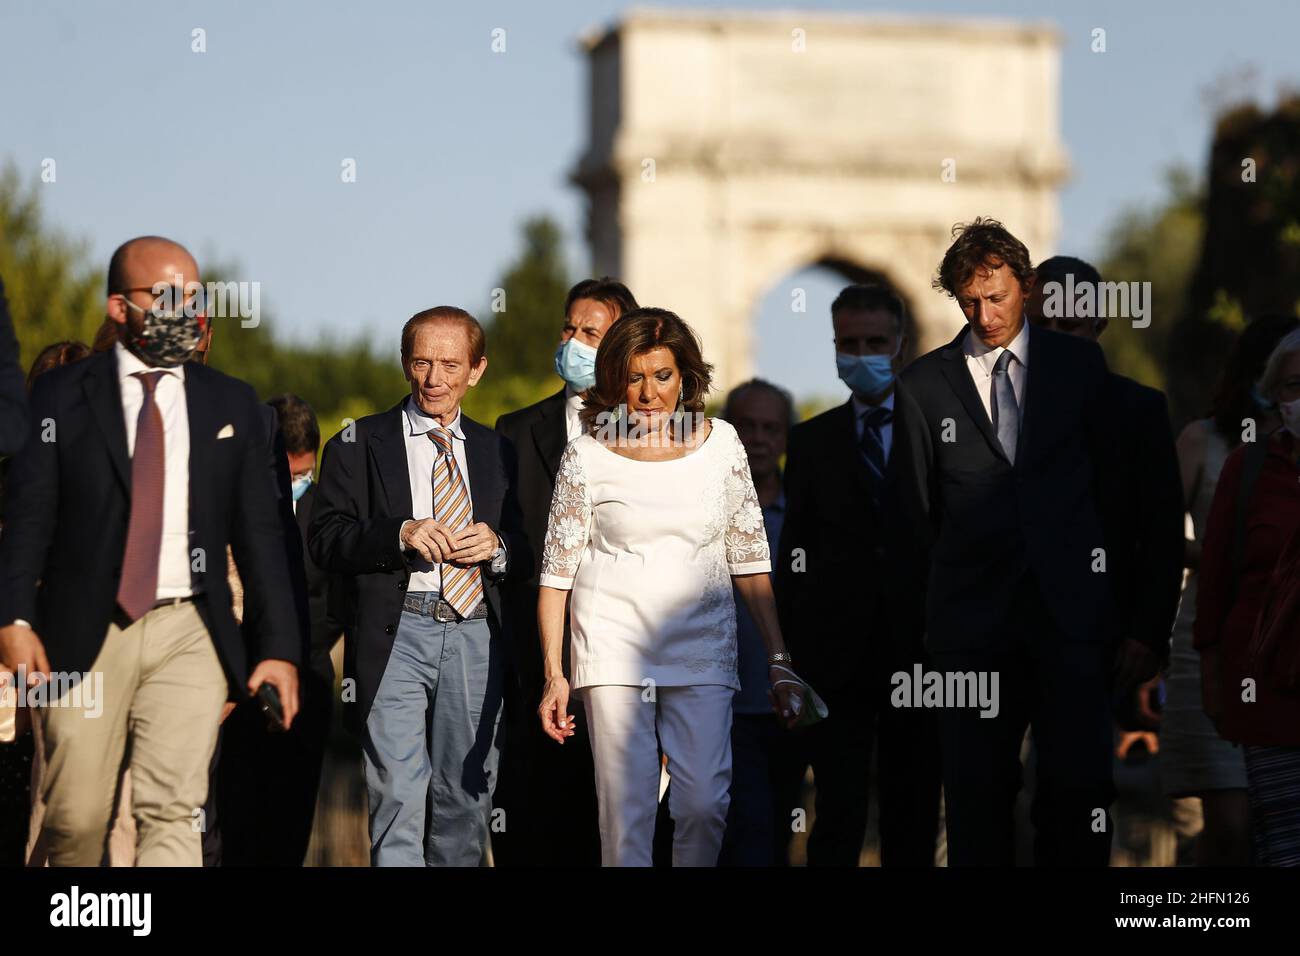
1249	262
53	293
1158	245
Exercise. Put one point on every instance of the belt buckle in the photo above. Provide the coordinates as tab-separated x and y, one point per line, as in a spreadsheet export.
438	610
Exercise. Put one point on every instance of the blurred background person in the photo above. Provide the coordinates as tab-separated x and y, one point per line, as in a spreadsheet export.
758	825
1254	516
267	781
549	793
1194	760
852	607
654	517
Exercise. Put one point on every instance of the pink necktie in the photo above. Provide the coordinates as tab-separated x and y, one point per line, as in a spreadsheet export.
138	589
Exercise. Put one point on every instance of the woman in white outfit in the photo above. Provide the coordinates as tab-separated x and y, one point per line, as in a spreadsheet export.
653	518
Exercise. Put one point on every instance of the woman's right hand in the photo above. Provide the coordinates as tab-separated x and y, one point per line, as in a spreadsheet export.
557	722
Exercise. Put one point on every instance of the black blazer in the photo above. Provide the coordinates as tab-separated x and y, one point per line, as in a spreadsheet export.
855	606
322	609
538	434
364	496
986	525
68	505
13	391
1145	511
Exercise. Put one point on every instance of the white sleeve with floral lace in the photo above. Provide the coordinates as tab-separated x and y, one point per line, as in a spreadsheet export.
569	523
746	538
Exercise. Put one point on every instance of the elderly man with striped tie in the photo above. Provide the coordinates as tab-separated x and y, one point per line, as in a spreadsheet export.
418	505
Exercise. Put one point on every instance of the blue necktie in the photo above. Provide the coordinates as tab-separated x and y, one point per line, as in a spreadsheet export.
1006	414
873	445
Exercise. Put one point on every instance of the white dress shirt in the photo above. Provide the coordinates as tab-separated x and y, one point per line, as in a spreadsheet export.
421	456
980	360
572	406
174	579
860	408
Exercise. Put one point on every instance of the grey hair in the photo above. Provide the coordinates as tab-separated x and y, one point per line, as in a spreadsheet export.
1287	346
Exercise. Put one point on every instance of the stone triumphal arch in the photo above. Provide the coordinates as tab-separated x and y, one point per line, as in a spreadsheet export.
726	150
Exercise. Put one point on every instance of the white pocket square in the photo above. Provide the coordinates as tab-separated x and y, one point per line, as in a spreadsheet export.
227	432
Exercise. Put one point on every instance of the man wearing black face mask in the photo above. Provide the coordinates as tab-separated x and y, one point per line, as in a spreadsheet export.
139	469
850	608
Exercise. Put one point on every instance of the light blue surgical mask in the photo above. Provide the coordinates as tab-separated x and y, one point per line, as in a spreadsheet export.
575	362
867	375
300	486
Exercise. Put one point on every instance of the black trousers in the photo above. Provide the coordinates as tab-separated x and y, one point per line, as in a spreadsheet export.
839	751
1061	688
548	793
262	793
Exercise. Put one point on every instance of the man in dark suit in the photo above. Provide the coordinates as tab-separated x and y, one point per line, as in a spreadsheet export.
850	611
141	468
418	506
1005	453
13	397
268	781
1146	509
548	792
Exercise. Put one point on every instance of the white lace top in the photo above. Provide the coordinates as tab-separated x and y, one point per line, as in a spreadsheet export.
648	548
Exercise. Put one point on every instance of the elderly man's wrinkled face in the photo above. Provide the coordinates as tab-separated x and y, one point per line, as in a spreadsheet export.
439	368
994	305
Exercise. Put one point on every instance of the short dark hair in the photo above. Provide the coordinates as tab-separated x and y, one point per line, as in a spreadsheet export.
643	330
297	423
606	289
982	244
871	296
1057	268
760	385
446	313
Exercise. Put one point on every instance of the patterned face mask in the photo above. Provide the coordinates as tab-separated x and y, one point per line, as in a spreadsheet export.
168	338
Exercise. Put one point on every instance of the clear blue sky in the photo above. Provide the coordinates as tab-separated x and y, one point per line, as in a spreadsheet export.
237	151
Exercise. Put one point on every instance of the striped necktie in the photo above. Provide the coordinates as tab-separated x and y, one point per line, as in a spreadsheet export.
462	588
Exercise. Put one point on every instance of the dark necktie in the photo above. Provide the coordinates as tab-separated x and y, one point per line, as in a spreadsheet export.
873	445
138	589
1006	414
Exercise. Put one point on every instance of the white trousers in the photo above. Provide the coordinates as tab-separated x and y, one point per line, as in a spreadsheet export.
694	726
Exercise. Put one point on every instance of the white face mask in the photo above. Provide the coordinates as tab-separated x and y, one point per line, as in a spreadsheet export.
1290	412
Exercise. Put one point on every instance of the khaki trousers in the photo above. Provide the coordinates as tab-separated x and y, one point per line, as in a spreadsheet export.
162	694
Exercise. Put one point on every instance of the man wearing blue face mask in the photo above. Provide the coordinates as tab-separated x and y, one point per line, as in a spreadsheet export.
851	609
549	792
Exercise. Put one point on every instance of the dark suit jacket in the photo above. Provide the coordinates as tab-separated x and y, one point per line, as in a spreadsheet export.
538	434
326	628
68	505
985	524
856	605
363	498
13	391
1145	511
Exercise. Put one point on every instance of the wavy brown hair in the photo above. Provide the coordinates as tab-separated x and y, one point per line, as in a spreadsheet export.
637	332
978	245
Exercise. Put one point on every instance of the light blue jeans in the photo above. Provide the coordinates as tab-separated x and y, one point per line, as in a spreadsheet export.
430	746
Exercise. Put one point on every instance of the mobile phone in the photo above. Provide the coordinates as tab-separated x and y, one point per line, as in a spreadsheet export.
268	698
